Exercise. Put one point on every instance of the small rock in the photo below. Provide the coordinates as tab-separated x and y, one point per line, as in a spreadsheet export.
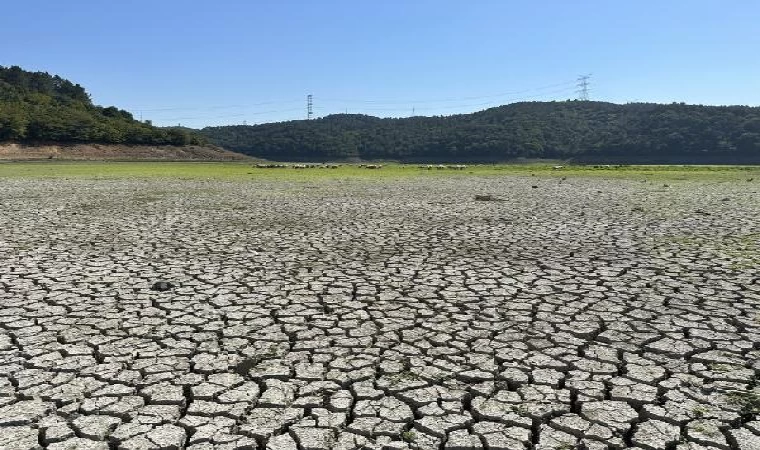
162	286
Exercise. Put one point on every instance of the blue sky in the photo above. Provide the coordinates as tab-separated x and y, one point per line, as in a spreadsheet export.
225	62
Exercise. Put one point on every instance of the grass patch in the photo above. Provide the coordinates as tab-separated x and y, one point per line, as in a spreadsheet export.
741	250
748	402
406	375
699	411
722	368
408	436
247	171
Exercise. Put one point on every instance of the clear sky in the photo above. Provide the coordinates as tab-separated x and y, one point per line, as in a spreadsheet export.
224	62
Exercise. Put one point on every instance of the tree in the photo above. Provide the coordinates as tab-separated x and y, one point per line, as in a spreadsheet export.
585	131
43	107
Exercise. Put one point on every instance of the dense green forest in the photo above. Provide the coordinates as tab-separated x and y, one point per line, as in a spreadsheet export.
570	130
39	107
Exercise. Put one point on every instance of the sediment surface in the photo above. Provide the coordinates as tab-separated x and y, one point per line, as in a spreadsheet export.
397	314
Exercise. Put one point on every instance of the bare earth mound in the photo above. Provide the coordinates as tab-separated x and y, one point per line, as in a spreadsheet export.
13	151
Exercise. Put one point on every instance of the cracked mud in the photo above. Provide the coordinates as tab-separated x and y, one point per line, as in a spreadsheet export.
582	313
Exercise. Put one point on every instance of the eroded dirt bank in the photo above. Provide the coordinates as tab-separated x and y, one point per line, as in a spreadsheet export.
27	152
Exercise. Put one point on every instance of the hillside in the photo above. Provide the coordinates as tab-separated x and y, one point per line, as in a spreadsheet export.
573	130
39	107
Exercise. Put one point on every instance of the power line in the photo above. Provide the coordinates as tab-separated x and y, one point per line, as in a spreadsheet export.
454	99
507	100
171	119
402	110
158	110
469	105
187	108
582	86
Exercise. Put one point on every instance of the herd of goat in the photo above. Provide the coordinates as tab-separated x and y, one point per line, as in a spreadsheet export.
362	166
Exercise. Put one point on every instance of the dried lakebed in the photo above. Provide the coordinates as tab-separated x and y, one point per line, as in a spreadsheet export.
579	313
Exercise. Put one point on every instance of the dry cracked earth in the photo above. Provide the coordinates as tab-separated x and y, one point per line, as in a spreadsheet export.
580	313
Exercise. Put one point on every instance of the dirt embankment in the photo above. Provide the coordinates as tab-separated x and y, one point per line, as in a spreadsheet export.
42	151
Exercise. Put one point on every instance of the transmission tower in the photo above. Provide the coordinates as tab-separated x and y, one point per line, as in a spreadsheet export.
309	105
583	87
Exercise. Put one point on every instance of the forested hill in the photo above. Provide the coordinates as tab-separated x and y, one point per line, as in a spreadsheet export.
39	107
576	130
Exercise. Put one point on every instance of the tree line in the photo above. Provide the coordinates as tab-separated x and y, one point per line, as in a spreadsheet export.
39	107
569	130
